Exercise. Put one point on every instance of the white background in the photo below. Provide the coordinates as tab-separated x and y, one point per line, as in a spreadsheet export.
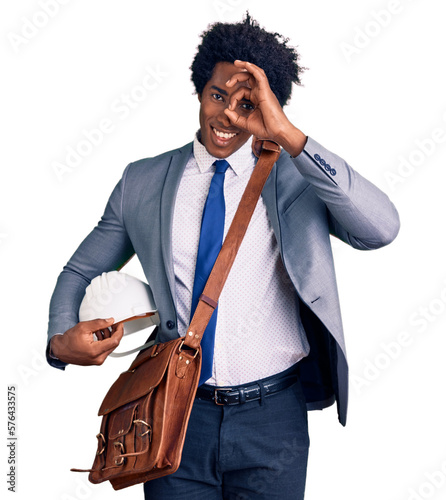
373	89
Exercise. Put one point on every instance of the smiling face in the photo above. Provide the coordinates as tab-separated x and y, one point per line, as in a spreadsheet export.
218	136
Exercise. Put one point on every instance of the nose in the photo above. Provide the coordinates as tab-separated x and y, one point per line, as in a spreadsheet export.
223	119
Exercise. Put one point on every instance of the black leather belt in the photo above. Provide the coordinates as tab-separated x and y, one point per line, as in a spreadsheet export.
239	395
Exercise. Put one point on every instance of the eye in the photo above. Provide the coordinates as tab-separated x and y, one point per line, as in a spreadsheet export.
217	97
247	106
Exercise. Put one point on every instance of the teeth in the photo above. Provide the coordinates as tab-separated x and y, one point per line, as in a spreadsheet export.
223	135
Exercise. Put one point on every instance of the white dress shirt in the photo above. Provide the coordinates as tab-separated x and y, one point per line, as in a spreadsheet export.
259	332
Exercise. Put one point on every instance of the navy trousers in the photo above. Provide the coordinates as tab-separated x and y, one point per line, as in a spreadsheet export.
256	450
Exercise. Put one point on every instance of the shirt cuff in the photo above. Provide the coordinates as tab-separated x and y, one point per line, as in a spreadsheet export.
52	360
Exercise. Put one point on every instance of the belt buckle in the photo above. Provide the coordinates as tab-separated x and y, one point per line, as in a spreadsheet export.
216	396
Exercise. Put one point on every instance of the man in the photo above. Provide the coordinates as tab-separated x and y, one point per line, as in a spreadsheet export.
278	336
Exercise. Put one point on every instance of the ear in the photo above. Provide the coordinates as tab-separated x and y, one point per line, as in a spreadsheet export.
199	97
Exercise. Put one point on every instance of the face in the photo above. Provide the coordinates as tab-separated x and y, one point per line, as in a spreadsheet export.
218	136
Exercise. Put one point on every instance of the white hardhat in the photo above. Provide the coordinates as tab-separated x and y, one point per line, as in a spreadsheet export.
122	297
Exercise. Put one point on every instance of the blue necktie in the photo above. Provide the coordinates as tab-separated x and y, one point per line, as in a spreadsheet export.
211	238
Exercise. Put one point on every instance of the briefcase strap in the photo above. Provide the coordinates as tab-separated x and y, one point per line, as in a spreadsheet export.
208	301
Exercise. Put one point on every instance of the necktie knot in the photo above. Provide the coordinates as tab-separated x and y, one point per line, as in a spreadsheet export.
221	166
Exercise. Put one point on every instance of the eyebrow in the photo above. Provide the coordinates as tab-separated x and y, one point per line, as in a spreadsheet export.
221	91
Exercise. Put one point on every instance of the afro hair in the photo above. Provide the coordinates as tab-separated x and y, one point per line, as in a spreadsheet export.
247	41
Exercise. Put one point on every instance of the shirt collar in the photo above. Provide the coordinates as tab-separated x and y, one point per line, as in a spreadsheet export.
242	159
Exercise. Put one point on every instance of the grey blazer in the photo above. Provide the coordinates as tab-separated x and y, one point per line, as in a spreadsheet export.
307	199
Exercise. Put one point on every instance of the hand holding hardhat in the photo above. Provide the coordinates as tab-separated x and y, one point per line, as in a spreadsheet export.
128	304
78	345
123	297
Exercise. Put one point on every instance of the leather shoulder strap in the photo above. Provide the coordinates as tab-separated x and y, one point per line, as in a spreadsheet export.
269	154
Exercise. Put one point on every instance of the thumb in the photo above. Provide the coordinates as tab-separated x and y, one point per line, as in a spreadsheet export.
98	324
236	119
118	331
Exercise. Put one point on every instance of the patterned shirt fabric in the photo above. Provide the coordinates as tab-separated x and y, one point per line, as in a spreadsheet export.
259	332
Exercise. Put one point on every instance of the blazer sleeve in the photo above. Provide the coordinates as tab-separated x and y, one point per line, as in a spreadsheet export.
105	249
360	214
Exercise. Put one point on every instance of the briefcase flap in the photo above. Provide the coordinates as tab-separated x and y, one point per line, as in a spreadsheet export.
145	373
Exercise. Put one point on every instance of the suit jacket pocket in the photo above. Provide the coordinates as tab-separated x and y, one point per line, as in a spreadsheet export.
297	197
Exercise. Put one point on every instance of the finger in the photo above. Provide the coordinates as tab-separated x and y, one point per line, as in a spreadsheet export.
118	331
106	346
238	95
94	325
236	119
243	76
257	71
116	334
99	334
106	333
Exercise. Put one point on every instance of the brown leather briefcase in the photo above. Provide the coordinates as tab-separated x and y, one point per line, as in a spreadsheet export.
145	415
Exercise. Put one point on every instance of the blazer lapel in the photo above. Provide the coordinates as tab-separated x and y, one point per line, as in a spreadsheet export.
281	190
269	195
172	181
